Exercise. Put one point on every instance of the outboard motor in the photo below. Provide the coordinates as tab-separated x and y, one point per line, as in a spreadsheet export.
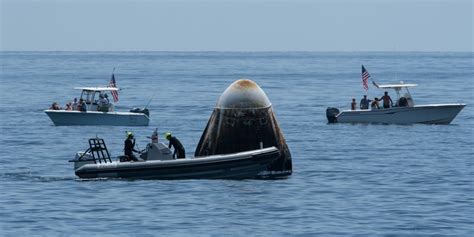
331	114
141	111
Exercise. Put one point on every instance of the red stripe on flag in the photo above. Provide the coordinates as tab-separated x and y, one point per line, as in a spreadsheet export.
113	85
365	78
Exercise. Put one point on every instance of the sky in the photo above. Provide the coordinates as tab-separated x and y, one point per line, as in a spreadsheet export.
240	25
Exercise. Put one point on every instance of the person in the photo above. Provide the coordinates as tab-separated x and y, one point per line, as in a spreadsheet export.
154	136
353	104
364	103
103	104
375	103
409	100
402	102
107	98
103	100
129	147
82	105
387	101
74	105
179	151
69	106
55	106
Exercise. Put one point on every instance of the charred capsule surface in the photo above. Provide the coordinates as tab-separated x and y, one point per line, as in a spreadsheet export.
243	120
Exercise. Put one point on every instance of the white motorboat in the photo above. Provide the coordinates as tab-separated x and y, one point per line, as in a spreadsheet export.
403	112
99	111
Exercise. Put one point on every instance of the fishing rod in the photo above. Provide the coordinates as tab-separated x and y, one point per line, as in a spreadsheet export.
149	101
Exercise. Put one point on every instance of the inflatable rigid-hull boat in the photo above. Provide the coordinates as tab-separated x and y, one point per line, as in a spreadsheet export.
241	165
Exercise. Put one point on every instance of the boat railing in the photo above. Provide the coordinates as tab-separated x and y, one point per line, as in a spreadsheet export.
99	151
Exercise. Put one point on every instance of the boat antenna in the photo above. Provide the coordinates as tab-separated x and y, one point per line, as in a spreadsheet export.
396	63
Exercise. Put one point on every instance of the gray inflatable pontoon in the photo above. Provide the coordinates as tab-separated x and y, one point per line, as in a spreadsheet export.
158	163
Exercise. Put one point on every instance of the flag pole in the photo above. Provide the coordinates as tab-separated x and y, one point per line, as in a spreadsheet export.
113	70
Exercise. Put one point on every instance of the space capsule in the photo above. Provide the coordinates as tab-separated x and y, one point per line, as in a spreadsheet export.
243	120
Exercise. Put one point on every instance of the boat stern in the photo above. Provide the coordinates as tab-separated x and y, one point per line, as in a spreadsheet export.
331	114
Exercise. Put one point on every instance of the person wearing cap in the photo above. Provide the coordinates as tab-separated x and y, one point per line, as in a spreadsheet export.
106	97
179	151
129	147
103	104
364	103
102	100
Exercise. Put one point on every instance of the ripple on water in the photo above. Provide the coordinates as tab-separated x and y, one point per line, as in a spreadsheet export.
348	179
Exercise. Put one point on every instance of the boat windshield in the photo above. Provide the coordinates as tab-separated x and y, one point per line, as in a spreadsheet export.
97	95
404	98
88	96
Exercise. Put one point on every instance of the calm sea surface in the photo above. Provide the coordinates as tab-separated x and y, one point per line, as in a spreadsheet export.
348	179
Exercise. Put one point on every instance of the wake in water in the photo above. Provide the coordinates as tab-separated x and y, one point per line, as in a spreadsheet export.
31	176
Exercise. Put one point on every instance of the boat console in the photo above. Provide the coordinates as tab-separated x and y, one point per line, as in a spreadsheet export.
156	151
97	153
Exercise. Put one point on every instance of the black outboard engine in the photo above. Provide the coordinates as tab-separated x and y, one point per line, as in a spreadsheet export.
331	114
141	111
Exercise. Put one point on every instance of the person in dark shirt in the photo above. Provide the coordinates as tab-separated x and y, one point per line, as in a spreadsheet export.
129	147
179	151
387	101
353	104
82	105
364	103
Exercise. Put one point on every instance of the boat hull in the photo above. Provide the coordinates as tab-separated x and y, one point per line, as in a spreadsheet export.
68	118
427	114
244	165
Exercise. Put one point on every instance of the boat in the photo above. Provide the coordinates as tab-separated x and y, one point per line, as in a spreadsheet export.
97	113
403	112
157	162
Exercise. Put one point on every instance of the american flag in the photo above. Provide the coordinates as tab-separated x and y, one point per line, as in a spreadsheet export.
365	78
113	84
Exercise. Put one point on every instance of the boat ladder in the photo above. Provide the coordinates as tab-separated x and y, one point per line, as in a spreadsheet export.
99	151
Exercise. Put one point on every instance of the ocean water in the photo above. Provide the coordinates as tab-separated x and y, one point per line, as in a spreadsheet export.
348	179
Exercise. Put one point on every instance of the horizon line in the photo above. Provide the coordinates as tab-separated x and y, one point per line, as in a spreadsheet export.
234	51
